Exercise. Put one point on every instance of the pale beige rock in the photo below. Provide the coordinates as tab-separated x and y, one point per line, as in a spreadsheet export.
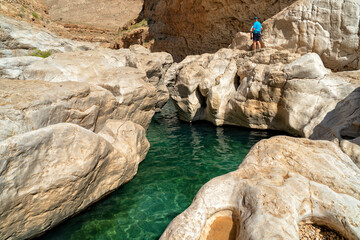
30	105
308	66
155	65
342	125
20	35
135	76
328	27
13	67
263	90
283	182
50	174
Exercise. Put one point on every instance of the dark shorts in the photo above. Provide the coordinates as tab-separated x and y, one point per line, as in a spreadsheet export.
256	37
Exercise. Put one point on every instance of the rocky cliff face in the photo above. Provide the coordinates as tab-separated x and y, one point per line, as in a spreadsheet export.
102	14
329	28
194	27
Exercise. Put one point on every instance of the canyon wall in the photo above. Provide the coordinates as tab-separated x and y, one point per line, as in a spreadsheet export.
184	27
328	27
102	14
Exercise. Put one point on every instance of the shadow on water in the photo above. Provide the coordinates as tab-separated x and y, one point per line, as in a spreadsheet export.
181	159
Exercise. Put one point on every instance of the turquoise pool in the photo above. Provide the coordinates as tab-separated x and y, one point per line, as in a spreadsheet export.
181	159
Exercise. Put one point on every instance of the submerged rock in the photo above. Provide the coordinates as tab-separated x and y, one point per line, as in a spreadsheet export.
50	174
282	182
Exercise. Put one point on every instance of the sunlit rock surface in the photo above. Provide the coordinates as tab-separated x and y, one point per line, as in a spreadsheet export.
135	76
19	38
328	27
283	182
50	174
264	90
30	105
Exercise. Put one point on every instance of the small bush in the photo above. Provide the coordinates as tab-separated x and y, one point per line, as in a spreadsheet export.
35	15
143	23
42	54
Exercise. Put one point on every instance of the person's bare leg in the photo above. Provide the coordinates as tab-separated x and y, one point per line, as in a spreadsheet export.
254	46
259	45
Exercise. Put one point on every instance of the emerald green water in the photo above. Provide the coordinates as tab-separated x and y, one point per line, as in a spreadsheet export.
182	158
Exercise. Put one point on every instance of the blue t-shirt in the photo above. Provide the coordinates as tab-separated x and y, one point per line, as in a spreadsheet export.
257	27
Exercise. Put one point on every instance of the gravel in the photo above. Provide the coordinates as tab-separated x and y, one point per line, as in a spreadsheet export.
314	232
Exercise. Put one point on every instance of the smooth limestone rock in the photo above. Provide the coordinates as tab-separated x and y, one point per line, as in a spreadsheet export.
155	65
50	174
134	76
342	125
13	67
31	105
263	90
308	66
329	28
22	38
282	182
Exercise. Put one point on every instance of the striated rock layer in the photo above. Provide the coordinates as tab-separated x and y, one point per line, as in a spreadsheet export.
282	182
50	174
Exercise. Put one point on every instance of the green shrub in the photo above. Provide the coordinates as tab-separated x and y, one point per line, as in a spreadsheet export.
143	23
39	53
35	15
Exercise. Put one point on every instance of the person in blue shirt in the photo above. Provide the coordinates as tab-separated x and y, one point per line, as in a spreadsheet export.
256	32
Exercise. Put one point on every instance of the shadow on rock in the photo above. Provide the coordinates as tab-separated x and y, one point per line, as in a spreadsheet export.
342	125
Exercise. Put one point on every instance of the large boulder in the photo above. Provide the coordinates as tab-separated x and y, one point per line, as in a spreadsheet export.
135	71
282	183
263	90
329	28
50	174
342	125
31	105
21	38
